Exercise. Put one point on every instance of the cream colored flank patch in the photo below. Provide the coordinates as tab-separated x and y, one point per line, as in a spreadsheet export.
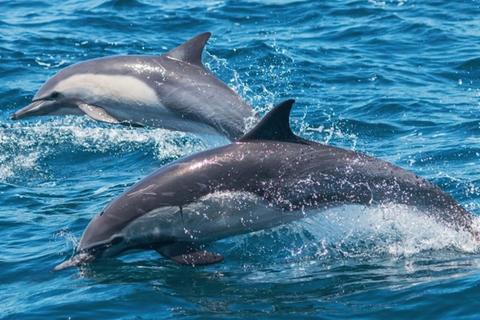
125	89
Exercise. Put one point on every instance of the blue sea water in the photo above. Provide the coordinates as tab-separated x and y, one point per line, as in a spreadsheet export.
397	79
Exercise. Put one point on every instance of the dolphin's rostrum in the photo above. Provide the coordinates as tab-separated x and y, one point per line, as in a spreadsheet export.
268	177
173	91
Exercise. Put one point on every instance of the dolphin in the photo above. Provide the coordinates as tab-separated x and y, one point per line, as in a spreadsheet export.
268	177
173	91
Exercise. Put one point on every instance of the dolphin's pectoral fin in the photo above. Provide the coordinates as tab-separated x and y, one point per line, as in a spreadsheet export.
97	113
188	254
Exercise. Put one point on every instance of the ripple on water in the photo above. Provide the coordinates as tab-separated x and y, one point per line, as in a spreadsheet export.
397	79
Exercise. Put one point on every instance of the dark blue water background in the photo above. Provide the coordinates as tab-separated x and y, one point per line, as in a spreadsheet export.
395	79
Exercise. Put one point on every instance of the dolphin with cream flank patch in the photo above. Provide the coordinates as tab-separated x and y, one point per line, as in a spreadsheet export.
268	177
173	91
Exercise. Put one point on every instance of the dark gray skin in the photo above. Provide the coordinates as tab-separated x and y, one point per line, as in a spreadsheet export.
287	172
174	91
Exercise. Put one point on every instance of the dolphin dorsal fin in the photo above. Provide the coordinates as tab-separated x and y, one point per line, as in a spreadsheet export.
191	51
275	125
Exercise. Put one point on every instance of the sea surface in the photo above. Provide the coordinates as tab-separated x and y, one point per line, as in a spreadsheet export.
396	79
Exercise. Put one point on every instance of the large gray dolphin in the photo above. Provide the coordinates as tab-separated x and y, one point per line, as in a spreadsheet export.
173	91
268	177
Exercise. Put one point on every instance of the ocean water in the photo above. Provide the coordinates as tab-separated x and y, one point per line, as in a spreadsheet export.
397	79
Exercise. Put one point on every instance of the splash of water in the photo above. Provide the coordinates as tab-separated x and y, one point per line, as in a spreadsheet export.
25	146
359	232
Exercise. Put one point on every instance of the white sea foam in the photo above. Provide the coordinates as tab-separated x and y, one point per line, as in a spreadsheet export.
360	232
396	230
24	145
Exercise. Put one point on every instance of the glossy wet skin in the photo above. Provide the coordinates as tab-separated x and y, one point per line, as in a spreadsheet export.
291	176
157	91
281	171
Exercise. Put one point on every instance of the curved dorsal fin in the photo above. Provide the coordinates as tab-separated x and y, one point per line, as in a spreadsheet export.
191	51
275	125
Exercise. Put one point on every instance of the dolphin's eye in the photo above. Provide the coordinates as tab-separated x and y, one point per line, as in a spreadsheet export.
54	95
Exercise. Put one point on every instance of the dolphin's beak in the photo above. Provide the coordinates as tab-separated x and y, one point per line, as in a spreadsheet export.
76	260
37	107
